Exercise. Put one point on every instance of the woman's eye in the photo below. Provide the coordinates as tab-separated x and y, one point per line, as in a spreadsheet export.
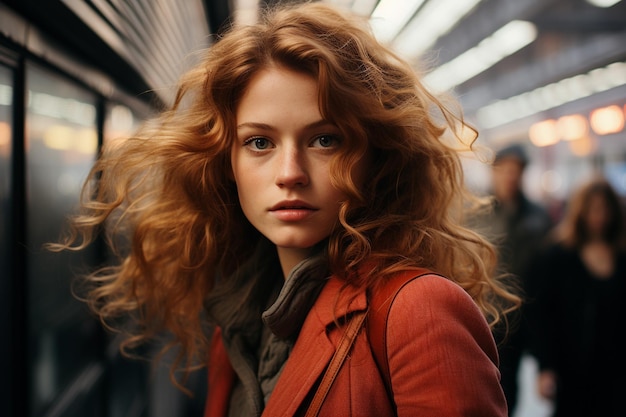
326	141
257	143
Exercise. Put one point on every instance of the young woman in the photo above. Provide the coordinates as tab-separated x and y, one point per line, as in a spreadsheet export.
579	308
302	172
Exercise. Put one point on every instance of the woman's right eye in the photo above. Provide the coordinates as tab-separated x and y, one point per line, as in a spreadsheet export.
258	143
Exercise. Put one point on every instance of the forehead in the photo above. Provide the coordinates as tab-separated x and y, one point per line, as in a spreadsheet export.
278	93
274	77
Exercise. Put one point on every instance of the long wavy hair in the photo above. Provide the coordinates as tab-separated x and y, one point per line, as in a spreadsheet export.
167	203
572	231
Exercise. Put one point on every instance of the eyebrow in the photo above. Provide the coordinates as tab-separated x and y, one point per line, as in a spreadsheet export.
319	123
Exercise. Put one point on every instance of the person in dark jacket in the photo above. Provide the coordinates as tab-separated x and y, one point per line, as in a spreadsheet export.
517	225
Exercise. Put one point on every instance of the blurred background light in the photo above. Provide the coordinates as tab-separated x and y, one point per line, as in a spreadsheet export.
6	95
5	139
390	16
434	20
572	127
551	181
582	147
504	42
544	133
364	7
552	95
603	3
607	120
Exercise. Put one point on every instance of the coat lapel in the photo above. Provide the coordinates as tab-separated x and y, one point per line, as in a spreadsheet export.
314	348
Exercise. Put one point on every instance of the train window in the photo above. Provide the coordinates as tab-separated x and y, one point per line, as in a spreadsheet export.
6	95
61	145
6	101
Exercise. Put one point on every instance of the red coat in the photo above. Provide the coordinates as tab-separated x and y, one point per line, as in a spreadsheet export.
442	359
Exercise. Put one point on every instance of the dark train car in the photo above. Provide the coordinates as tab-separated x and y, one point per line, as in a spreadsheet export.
74	75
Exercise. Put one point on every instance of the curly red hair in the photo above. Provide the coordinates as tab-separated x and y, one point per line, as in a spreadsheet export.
168	203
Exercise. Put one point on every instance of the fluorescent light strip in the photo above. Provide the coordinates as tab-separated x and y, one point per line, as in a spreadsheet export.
603	3
552	95
433	21
390	16
364	7
504	42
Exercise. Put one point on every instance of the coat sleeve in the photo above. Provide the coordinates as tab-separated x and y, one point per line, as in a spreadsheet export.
442	356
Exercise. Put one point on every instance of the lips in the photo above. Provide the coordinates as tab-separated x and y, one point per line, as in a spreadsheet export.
292	205
292	212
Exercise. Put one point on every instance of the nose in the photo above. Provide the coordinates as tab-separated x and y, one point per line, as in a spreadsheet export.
291	171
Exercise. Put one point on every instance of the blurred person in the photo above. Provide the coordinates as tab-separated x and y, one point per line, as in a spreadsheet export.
517	226
580	307
299	178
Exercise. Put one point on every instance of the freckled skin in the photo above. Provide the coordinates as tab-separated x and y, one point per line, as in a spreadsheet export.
281	163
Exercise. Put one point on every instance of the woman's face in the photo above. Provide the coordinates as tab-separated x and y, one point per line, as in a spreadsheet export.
597	214
281	162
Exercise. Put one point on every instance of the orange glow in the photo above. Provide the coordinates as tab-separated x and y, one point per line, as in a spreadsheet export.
572	127
5	139
607	120
5	134
582	147
544	133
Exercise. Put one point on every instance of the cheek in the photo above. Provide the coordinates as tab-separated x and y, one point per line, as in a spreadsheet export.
239	168
244	190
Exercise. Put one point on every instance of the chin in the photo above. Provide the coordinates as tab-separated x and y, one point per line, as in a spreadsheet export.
296	244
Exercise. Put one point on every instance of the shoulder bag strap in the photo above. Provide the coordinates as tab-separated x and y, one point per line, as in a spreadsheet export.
346	342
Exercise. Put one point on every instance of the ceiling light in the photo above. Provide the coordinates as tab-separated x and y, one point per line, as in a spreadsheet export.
504	42
607	120
603	3
572	127
552	95
582	147
433	21
544	133
390	16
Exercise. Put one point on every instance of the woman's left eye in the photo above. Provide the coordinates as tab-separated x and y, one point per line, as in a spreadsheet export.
326	141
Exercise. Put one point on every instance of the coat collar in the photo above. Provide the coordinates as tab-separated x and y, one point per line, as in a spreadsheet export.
315	346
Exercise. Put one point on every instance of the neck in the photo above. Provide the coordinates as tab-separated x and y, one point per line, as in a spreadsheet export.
290	257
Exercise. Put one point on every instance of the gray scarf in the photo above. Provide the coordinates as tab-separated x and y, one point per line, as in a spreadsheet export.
259	345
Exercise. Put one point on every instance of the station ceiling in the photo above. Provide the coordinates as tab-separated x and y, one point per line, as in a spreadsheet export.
144	45
574	45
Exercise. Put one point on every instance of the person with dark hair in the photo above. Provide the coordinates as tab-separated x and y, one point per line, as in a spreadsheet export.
296	220
517	226
579	309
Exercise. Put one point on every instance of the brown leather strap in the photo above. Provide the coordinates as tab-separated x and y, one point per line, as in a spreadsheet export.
347	340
